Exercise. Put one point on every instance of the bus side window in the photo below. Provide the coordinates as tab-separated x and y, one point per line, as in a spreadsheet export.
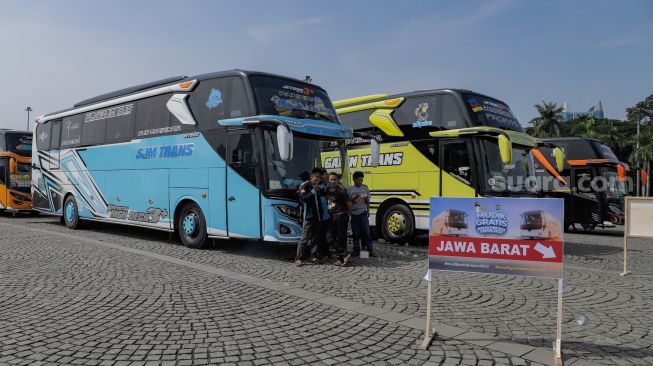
451	116
237	101
359	121
208	101
3	170
428	148
152	116
56	134
93	130
120	128
418	113
243	155
456	161
71	131
43	134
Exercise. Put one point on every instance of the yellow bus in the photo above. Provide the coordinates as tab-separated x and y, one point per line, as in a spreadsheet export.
441	142
15	170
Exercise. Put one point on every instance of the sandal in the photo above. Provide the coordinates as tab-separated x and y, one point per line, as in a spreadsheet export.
299	263
339	263
348	260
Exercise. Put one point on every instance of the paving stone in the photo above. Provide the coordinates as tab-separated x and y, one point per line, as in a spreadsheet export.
114	294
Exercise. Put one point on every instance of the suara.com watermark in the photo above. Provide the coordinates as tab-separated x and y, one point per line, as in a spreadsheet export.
582	184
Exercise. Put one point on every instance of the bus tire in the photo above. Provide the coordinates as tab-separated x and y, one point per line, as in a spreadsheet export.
71	213
397	224
191	225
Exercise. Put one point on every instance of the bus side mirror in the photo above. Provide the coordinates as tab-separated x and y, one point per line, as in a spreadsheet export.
12	166
376	153
285	141
560	159
621	172
505	149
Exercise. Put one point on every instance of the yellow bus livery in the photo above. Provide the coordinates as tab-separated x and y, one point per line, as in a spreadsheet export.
442	142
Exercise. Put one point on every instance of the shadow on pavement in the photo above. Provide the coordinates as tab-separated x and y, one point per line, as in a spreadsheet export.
389	255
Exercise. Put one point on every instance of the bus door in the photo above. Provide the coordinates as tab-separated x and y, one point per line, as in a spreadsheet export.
585	205
456	175
242	193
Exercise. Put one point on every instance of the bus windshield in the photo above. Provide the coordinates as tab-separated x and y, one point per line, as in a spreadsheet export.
485	111
21	180
603	151
615	188
512	175
285	97
457	219
287	176
19	143
531	220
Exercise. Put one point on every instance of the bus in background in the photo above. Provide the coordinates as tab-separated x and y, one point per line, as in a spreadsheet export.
15	170
450	222
442	142
218	155
538	224
586	160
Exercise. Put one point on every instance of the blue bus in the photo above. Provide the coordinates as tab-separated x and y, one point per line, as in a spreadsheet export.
218	155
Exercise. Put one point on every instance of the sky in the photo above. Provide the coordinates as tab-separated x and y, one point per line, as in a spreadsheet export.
56	53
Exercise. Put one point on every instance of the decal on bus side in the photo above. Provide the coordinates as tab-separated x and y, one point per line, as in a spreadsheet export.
386	159
166	151
152	215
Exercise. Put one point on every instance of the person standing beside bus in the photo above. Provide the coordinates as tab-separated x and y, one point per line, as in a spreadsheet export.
339	206
360	222
322	245
309	194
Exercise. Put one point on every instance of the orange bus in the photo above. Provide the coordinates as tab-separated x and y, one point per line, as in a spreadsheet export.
15	170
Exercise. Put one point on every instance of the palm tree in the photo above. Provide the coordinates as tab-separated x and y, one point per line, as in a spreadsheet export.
549	121
614	137
642	155
584	126
643	152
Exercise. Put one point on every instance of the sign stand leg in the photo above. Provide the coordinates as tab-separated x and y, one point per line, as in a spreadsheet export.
626	271
428	332
558	345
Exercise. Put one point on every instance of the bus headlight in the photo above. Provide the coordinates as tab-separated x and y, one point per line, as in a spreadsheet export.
288	211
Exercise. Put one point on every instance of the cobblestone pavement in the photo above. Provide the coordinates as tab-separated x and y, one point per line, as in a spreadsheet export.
67	301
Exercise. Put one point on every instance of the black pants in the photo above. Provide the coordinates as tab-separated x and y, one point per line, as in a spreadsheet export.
338	233
323	244
308	242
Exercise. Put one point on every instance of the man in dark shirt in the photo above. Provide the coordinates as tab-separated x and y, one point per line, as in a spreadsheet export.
309	194
339	206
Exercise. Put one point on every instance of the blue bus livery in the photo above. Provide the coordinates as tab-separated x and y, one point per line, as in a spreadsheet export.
205	156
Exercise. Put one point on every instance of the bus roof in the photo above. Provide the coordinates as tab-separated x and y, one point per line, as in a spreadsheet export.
417	93
553	139
175	79
6	130
532	212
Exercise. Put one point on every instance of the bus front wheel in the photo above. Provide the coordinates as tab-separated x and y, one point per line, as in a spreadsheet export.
71	213
397	224
191	225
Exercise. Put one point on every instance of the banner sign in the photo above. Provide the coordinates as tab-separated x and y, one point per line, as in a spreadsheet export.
517	236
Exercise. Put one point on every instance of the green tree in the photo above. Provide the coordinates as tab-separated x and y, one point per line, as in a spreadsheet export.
644	152
642	112
586	127
549	122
